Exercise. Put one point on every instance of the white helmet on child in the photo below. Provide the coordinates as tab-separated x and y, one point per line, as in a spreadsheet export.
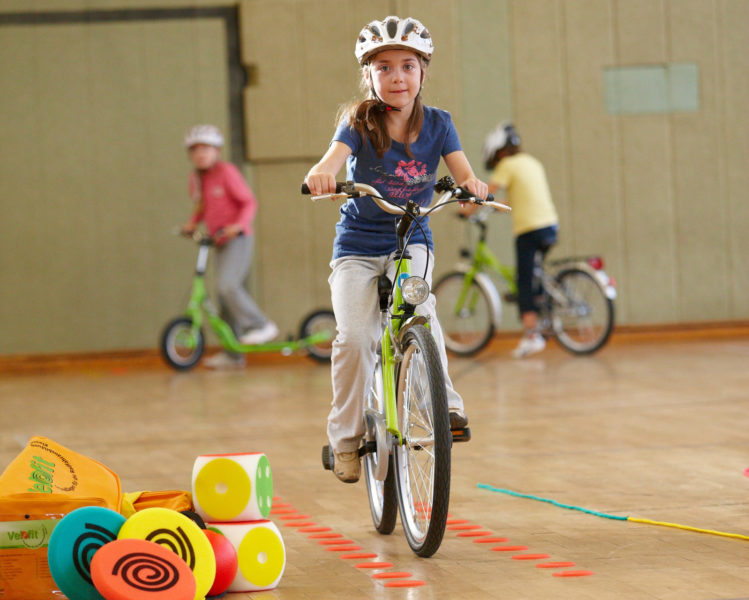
204	134
501	136
393	33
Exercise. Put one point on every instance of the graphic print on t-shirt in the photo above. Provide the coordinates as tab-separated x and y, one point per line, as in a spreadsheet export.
410	177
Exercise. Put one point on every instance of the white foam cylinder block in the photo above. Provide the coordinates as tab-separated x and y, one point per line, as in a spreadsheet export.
232	487
261	554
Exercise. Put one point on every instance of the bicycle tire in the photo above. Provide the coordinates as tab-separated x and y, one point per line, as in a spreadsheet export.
383	503
422	460
585	325
315	322
466	329
181	356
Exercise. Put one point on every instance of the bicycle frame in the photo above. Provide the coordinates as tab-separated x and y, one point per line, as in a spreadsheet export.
200	305
398	321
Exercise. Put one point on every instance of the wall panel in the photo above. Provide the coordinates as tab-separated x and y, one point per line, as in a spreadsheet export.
701	207
594	198
646	173
733	22
102	176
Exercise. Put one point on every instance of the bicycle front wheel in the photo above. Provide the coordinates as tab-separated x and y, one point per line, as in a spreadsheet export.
180	346
422	460
465	314
584	321
381	493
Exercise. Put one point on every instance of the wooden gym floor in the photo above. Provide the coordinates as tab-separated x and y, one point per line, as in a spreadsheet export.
651	427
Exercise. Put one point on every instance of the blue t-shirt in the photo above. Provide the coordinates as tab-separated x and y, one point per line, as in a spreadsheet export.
364	228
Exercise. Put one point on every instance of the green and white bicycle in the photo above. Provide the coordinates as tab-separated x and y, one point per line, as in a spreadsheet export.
407	442
576	297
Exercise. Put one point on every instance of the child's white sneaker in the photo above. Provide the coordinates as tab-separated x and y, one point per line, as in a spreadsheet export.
531	343
262	335
224	360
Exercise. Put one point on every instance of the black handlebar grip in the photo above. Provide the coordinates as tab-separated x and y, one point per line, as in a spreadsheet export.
490	197
338	188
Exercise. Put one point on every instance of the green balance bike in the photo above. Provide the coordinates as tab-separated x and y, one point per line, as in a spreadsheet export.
407	442
183	342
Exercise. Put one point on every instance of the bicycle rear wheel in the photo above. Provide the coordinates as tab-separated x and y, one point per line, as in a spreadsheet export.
422	460
584	322
319	322
382	498
465	314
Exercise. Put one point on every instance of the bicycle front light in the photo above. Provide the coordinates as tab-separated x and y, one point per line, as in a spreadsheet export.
415	290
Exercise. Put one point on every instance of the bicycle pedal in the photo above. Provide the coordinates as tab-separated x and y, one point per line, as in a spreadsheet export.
368	448
461	435
327	458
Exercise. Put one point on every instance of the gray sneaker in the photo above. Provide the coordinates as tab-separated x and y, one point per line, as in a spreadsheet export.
347	466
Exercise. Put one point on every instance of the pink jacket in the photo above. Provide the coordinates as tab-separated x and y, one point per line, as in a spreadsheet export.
225	198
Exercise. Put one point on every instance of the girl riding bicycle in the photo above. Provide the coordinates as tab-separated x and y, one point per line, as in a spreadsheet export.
392	142
534	220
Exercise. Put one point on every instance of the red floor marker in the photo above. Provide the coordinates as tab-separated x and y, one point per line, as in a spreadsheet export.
358	556
297	524
530	556
277	499
463	527
509	548
474	533
282	511
391	575
313	529
572	573
336	542
324	536
456	521
405	583
491	540
374	565
282	505
297	517
343	548
555	565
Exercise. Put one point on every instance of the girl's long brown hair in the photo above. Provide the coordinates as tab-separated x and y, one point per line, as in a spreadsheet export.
368	118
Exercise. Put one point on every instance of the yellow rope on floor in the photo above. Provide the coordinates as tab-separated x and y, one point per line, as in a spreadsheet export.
737	536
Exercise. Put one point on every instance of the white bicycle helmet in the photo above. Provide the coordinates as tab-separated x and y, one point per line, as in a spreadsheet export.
204	134
393	33
501	136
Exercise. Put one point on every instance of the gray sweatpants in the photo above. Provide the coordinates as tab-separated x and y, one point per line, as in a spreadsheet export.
353	287
232	262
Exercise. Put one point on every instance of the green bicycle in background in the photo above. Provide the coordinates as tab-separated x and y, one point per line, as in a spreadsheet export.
576	298
182	341
407	441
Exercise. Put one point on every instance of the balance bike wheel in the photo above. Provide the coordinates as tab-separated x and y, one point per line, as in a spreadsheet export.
179	348
319	322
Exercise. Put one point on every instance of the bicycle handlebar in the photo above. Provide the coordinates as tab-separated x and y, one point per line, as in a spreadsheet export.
351	189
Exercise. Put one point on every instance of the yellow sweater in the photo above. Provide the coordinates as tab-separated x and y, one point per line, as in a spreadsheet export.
527	191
